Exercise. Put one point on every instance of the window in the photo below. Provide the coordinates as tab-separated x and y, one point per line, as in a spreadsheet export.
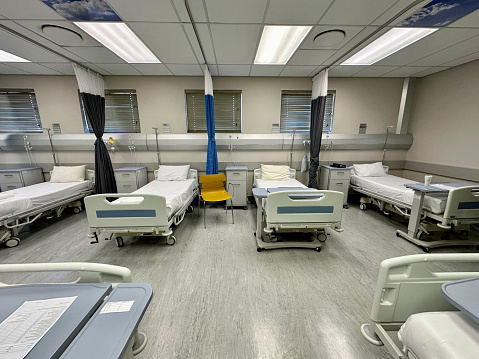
19	111
121	112
296	111
227	111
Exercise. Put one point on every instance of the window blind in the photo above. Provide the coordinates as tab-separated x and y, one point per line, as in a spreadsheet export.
19	111
227	111
121	112
296	111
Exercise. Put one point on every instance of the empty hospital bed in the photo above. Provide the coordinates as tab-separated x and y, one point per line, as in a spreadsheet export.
286	205
410	314
454	209
148	211
23	206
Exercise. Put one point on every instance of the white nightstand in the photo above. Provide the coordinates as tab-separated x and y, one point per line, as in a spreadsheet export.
335	179
236	178
129	179
20	177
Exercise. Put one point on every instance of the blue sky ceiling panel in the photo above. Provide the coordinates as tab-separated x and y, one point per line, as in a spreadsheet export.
83	10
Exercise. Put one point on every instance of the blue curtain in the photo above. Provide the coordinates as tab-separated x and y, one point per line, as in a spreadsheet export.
211	155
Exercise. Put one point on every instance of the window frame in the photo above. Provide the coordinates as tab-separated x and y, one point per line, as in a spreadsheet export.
32	123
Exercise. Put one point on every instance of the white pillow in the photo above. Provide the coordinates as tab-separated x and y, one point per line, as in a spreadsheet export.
68	174
275	173
173	173
370	170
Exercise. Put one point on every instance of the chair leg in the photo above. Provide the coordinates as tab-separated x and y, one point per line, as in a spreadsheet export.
199	204
232	214
204	214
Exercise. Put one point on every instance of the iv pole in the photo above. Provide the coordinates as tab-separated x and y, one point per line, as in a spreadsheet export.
157	147
386	141
51	145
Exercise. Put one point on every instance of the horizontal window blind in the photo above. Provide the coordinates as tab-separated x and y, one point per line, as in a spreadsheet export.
296	111
19	111
121	112
227	111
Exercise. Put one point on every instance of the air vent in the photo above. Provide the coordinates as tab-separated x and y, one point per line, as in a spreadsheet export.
166	128
61	35
275	128
56	128
329	38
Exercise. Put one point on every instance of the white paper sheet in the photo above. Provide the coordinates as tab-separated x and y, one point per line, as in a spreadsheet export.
117	307
28	324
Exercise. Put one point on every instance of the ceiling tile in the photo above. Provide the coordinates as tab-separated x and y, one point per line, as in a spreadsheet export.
167	41
65	69
310	57
266	70
396	9
186	70
120	69
152	69
350	31
285	12
148	10
35	68
470	20
95	68
347	12
235	44
405	71
430	71
463	60
345	71
196	7
15	9
238	12
99	55
375	71
9	70
234	70
297	71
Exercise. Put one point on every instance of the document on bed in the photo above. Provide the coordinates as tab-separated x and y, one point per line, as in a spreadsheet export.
22	330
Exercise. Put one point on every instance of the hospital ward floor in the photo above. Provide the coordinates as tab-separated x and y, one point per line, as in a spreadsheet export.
215	296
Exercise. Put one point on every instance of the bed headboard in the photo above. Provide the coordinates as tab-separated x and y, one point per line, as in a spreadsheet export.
192	173
257	173
386	169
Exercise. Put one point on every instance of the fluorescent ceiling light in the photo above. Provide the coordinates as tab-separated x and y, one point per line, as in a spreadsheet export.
392	41
8	57
278	43
118	37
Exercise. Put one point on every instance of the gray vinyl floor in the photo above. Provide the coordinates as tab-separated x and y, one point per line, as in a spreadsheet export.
215	296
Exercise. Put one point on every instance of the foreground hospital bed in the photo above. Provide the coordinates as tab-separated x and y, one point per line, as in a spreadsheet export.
454	209
286	205
412	316
23	206
149	211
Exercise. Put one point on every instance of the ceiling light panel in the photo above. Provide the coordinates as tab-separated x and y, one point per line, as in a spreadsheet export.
391	42
278	44
8	57
120	39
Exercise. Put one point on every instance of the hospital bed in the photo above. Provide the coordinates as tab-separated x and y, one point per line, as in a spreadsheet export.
412	317
289	206
453	209
23	206
148	211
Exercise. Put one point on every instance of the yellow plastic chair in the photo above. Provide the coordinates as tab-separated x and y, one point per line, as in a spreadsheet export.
213	190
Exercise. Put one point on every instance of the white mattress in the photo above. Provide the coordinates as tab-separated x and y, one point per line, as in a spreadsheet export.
440	335
177	193
275	184
393	187
40	194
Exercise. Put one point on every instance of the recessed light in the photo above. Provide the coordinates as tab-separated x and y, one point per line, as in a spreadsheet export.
8	57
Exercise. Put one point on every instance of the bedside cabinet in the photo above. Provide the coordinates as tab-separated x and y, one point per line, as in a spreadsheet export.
335	179
129	179
20	177
236	177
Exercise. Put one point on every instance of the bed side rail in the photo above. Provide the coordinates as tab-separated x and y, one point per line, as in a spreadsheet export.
257	173
88	272
463	203
305	206
407	285
149	210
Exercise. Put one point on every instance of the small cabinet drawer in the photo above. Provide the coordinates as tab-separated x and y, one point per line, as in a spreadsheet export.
125	176
236	175
340	174
10	177
340	186
9	186
126	187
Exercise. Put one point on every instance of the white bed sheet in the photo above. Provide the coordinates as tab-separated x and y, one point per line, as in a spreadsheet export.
275	184
440	335
13	205
176	193
393	187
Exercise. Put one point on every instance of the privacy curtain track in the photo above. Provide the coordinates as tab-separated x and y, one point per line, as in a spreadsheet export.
211	155
318	104
92	92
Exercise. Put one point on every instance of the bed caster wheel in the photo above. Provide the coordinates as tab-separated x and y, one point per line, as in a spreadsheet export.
362	206
245	208
119	241
425	249
420	235
345	206
171	240
398	235
77	210
318	249
12	242
190	209
322	237
258	249
273	238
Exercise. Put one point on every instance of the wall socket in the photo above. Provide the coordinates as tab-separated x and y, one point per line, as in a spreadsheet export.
362	128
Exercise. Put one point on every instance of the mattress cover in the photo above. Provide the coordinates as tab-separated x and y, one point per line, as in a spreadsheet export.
176	193
440	335
393	187
275	184
14	205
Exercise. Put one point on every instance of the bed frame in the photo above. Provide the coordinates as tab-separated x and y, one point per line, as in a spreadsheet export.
148	218
297	211
11	226
409	285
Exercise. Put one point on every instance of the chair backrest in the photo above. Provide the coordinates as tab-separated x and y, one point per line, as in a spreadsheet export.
218	178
